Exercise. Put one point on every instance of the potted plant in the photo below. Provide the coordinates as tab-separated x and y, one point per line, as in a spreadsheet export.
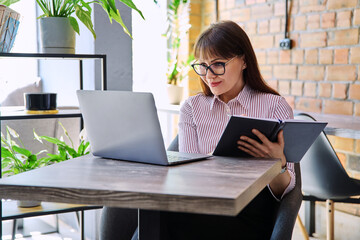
60	18
178	27
9	23
15	158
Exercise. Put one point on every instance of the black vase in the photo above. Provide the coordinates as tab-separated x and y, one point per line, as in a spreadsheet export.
40	101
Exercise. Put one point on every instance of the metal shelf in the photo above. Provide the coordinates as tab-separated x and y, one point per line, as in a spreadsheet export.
15	113
8	209
12	211
55	56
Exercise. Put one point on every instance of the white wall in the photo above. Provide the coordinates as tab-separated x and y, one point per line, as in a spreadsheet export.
149	48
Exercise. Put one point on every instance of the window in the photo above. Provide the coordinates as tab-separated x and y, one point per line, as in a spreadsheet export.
19	72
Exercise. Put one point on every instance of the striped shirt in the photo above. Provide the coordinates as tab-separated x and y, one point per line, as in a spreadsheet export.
204	118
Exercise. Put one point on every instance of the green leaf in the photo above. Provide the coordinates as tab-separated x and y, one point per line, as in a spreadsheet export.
8	2
5	153
42	4
32	158
71	152
53	140
23	151
62	153
74	25
81	148
85	18
116	16
44	162
113	13
130	4
53	156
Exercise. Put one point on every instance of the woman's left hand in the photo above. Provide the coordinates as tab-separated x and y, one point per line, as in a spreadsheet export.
264	149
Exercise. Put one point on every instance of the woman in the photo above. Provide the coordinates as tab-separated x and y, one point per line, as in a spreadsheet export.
232	85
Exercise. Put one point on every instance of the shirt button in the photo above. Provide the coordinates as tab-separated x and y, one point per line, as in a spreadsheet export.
228	110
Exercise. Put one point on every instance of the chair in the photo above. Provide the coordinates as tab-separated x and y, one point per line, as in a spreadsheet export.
288	209
325	179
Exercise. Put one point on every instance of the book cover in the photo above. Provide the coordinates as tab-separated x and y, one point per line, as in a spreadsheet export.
9	23
298	135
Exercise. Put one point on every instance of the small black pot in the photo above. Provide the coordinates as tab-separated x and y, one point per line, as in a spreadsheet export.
40	101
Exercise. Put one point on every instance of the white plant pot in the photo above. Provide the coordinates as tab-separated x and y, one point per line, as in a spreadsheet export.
57	35
175	93
28	203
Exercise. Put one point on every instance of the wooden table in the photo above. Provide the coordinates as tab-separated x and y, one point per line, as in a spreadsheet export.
340	125
220	185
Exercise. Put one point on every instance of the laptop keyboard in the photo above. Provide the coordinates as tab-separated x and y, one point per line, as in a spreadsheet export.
174	157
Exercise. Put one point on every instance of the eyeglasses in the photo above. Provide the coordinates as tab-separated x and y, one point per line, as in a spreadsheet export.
217	68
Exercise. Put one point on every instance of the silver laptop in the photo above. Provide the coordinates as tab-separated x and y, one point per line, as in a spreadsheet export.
124	125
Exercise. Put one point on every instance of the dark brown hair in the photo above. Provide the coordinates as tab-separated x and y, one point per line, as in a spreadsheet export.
227	39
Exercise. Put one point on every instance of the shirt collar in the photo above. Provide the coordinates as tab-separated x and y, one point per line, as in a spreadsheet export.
243	98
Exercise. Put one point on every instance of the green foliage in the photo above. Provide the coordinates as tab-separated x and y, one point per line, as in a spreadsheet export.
82	10
8	2
15	158
65	151
178	70
178	27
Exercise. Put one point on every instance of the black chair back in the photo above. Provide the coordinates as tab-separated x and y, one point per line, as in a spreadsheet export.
323	175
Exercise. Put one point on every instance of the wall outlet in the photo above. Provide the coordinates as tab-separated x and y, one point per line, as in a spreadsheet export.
285	43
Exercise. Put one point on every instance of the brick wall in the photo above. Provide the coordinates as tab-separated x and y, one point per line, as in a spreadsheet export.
319	74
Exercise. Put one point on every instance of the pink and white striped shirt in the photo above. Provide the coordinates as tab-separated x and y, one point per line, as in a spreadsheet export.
204	118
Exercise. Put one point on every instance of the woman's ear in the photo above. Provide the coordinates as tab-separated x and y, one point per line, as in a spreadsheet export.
244	65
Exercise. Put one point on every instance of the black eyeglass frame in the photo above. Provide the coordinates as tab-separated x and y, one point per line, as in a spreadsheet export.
209	67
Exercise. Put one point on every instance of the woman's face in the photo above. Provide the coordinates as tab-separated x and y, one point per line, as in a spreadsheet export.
228	85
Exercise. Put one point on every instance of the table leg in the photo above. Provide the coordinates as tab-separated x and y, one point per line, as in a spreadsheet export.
0	208
151	225
82	225
14	228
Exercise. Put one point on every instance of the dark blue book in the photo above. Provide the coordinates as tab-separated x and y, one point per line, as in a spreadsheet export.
299	135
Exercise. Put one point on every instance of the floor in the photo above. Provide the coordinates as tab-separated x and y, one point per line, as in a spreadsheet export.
297	235
46	223
41	224
68	233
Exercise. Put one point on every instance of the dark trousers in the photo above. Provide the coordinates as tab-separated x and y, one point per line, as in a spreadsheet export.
255	221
